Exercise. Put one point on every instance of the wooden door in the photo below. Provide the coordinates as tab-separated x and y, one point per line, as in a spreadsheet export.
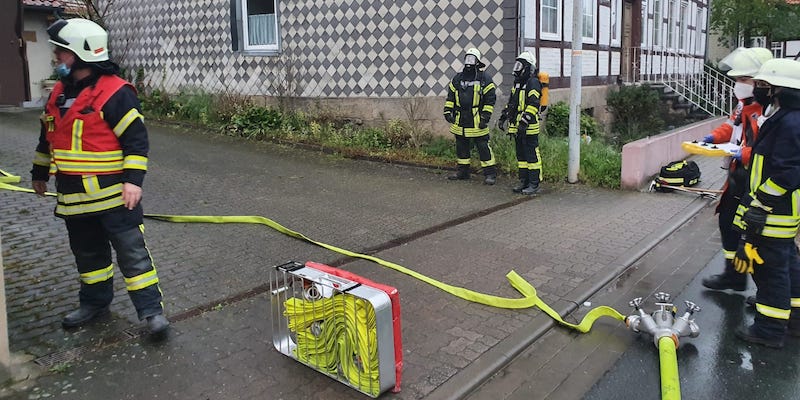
13	70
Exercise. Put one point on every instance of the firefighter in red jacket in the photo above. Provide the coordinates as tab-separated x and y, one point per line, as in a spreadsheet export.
740	129
95	143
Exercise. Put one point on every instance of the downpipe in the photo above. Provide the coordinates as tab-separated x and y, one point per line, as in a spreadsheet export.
666	330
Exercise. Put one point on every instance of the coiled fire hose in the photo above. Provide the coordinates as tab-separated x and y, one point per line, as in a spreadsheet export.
337	335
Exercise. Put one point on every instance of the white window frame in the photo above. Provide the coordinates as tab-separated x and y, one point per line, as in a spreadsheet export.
645	13
246	46
777	49
683	15
616	22
658	24
698	31
593	9
671	39
551	35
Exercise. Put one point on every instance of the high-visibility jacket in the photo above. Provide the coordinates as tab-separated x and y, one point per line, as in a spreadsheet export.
523	105
775	176
470	99
91	145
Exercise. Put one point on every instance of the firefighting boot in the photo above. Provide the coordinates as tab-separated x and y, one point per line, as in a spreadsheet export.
461	174
490	175
533	186
83	315
794	324
157	324
729	279
524	180
748	334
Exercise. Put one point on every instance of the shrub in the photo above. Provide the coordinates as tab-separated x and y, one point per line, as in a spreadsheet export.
636	112
600	162
557	122
159	103
254	121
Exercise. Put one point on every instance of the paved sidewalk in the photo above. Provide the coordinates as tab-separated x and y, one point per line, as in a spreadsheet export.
569	242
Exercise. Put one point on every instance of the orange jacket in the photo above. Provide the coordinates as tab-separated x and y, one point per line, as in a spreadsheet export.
748	115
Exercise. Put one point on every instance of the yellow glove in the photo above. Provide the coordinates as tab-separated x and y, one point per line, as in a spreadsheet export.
745	257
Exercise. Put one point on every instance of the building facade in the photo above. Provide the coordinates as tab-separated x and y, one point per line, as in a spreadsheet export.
346	54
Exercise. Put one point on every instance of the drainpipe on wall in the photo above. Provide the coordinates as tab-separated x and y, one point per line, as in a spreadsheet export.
521	26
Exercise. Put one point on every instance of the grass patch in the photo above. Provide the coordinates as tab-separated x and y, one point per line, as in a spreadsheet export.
398	141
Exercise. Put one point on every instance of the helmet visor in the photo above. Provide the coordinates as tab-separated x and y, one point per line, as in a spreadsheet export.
470	59
54	29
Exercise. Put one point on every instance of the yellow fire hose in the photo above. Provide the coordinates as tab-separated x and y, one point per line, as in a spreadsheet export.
330	347
670	383
529	299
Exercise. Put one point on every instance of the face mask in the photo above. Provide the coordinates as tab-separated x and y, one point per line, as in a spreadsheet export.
62	70
470	60
518	67
761	94
743	90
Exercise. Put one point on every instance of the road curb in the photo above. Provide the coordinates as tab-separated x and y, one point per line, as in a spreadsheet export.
484	367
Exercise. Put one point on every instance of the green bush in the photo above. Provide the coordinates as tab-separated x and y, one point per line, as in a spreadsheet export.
398	140
636	111
254	122
557	122
600	162
159	103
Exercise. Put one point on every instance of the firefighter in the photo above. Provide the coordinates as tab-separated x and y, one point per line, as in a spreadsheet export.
740	129
468	108
769	213
94	141
522	117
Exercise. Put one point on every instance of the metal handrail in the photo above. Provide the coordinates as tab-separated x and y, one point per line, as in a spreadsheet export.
705	88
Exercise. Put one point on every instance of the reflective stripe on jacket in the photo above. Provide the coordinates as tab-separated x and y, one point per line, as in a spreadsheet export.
81	142
523	104
469	98
775	175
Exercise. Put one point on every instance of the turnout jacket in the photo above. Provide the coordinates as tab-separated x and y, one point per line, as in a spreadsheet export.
775	176
523	106
93	140
470	99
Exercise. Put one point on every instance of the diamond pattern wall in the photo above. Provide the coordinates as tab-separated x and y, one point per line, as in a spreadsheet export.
335	48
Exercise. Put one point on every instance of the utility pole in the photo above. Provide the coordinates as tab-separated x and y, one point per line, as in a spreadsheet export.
576	75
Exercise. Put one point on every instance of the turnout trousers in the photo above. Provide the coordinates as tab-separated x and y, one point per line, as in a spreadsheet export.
730	237
464	148
91	239
778	284
529	161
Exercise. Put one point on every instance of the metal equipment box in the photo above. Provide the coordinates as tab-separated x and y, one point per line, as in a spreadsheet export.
339	324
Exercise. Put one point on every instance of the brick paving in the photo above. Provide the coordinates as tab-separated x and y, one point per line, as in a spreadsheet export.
563	242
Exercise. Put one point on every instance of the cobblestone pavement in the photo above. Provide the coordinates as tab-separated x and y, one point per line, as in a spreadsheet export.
564	242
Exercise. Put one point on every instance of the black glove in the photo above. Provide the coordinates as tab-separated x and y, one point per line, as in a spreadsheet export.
754	219
484	123
522	127
449	117
502	123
